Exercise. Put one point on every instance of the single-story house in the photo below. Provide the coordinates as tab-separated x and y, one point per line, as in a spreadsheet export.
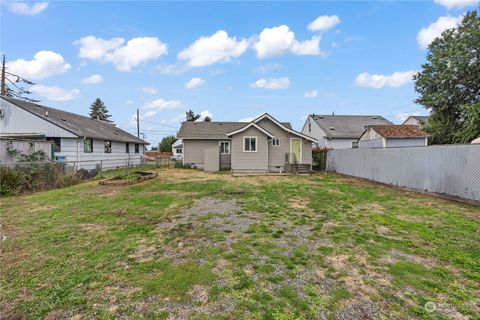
416	121
77	140
339	131
177	149
388	136
262	145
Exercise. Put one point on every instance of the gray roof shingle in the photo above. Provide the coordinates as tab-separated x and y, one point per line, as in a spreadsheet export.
79	125
211	130
345	126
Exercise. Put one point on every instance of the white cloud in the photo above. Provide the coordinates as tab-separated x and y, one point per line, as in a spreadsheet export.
55	93
26	9
129	102
435	29
194	82
450	4
150	90
146	115
402	116
265	68
323	23
124	57
170	69
204	114
93	79
162	104
396	79
311	94
43	65
273	84
219	47
279	40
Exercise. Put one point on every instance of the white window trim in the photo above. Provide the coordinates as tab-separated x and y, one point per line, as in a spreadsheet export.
229	146
256	143
301	148
275	145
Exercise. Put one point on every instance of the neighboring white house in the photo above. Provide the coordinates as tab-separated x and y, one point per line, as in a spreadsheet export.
77	140
339	132
388	136
416	120
177	149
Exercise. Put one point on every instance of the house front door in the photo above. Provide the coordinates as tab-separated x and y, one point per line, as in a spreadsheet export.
296	149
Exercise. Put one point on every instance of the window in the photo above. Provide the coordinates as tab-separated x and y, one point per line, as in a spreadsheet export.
354	144
137	148
56	144
88	145
178	150
127	148
309	127
108	146
249	144
275	142
225	147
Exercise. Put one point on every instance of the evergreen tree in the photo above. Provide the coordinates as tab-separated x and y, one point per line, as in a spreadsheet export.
99	111
449	83
191	116
166	144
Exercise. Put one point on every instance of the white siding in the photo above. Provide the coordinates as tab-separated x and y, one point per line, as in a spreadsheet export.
315	132
17	120
73	151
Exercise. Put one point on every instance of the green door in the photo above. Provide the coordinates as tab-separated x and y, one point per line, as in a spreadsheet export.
295	149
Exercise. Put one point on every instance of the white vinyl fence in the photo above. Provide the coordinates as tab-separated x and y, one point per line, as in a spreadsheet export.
449	169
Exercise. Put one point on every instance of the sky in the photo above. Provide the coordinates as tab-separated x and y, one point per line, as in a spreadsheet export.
229	60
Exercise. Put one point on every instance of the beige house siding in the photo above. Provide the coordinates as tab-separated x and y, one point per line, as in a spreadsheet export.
193	152
250	161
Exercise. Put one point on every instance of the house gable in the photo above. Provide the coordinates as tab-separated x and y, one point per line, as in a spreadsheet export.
18	120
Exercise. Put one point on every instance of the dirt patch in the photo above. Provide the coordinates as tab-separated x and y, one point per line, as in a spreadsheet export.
299	203
90	227
144	253
338	262
354	310
395	255
209	222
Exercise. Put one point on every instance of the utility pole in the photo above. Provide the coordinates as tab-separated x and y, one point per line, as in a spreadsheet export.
138	125
3	77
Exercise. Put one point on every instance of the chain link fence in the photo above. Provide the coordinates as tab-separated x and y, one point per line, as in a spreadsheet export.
19	177
449	169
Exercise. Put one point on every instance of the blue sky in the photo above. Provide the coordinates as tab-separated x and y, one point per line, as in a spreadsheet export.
231	60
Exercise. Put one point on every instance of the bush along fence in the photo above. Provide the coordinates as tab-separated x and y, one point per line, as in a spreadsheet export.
319	159
447	169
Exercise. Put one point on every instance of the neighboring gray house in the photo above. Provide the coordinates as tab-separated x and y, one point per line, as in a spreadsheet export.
416	120
177	150
388	136
262	145
339	132
86	141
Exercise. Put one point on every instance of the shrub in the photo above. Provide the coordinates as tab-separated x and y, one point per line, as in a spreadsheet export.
10	181
34	177
180	165
319	158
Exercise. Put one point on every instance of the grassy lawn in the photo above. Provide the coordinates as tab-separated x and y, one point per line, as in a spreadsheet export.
192	245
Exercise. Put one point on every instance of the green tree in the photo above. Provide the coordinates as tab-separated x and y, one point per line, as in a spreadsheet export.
449	83
191	116
99	111
166	144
